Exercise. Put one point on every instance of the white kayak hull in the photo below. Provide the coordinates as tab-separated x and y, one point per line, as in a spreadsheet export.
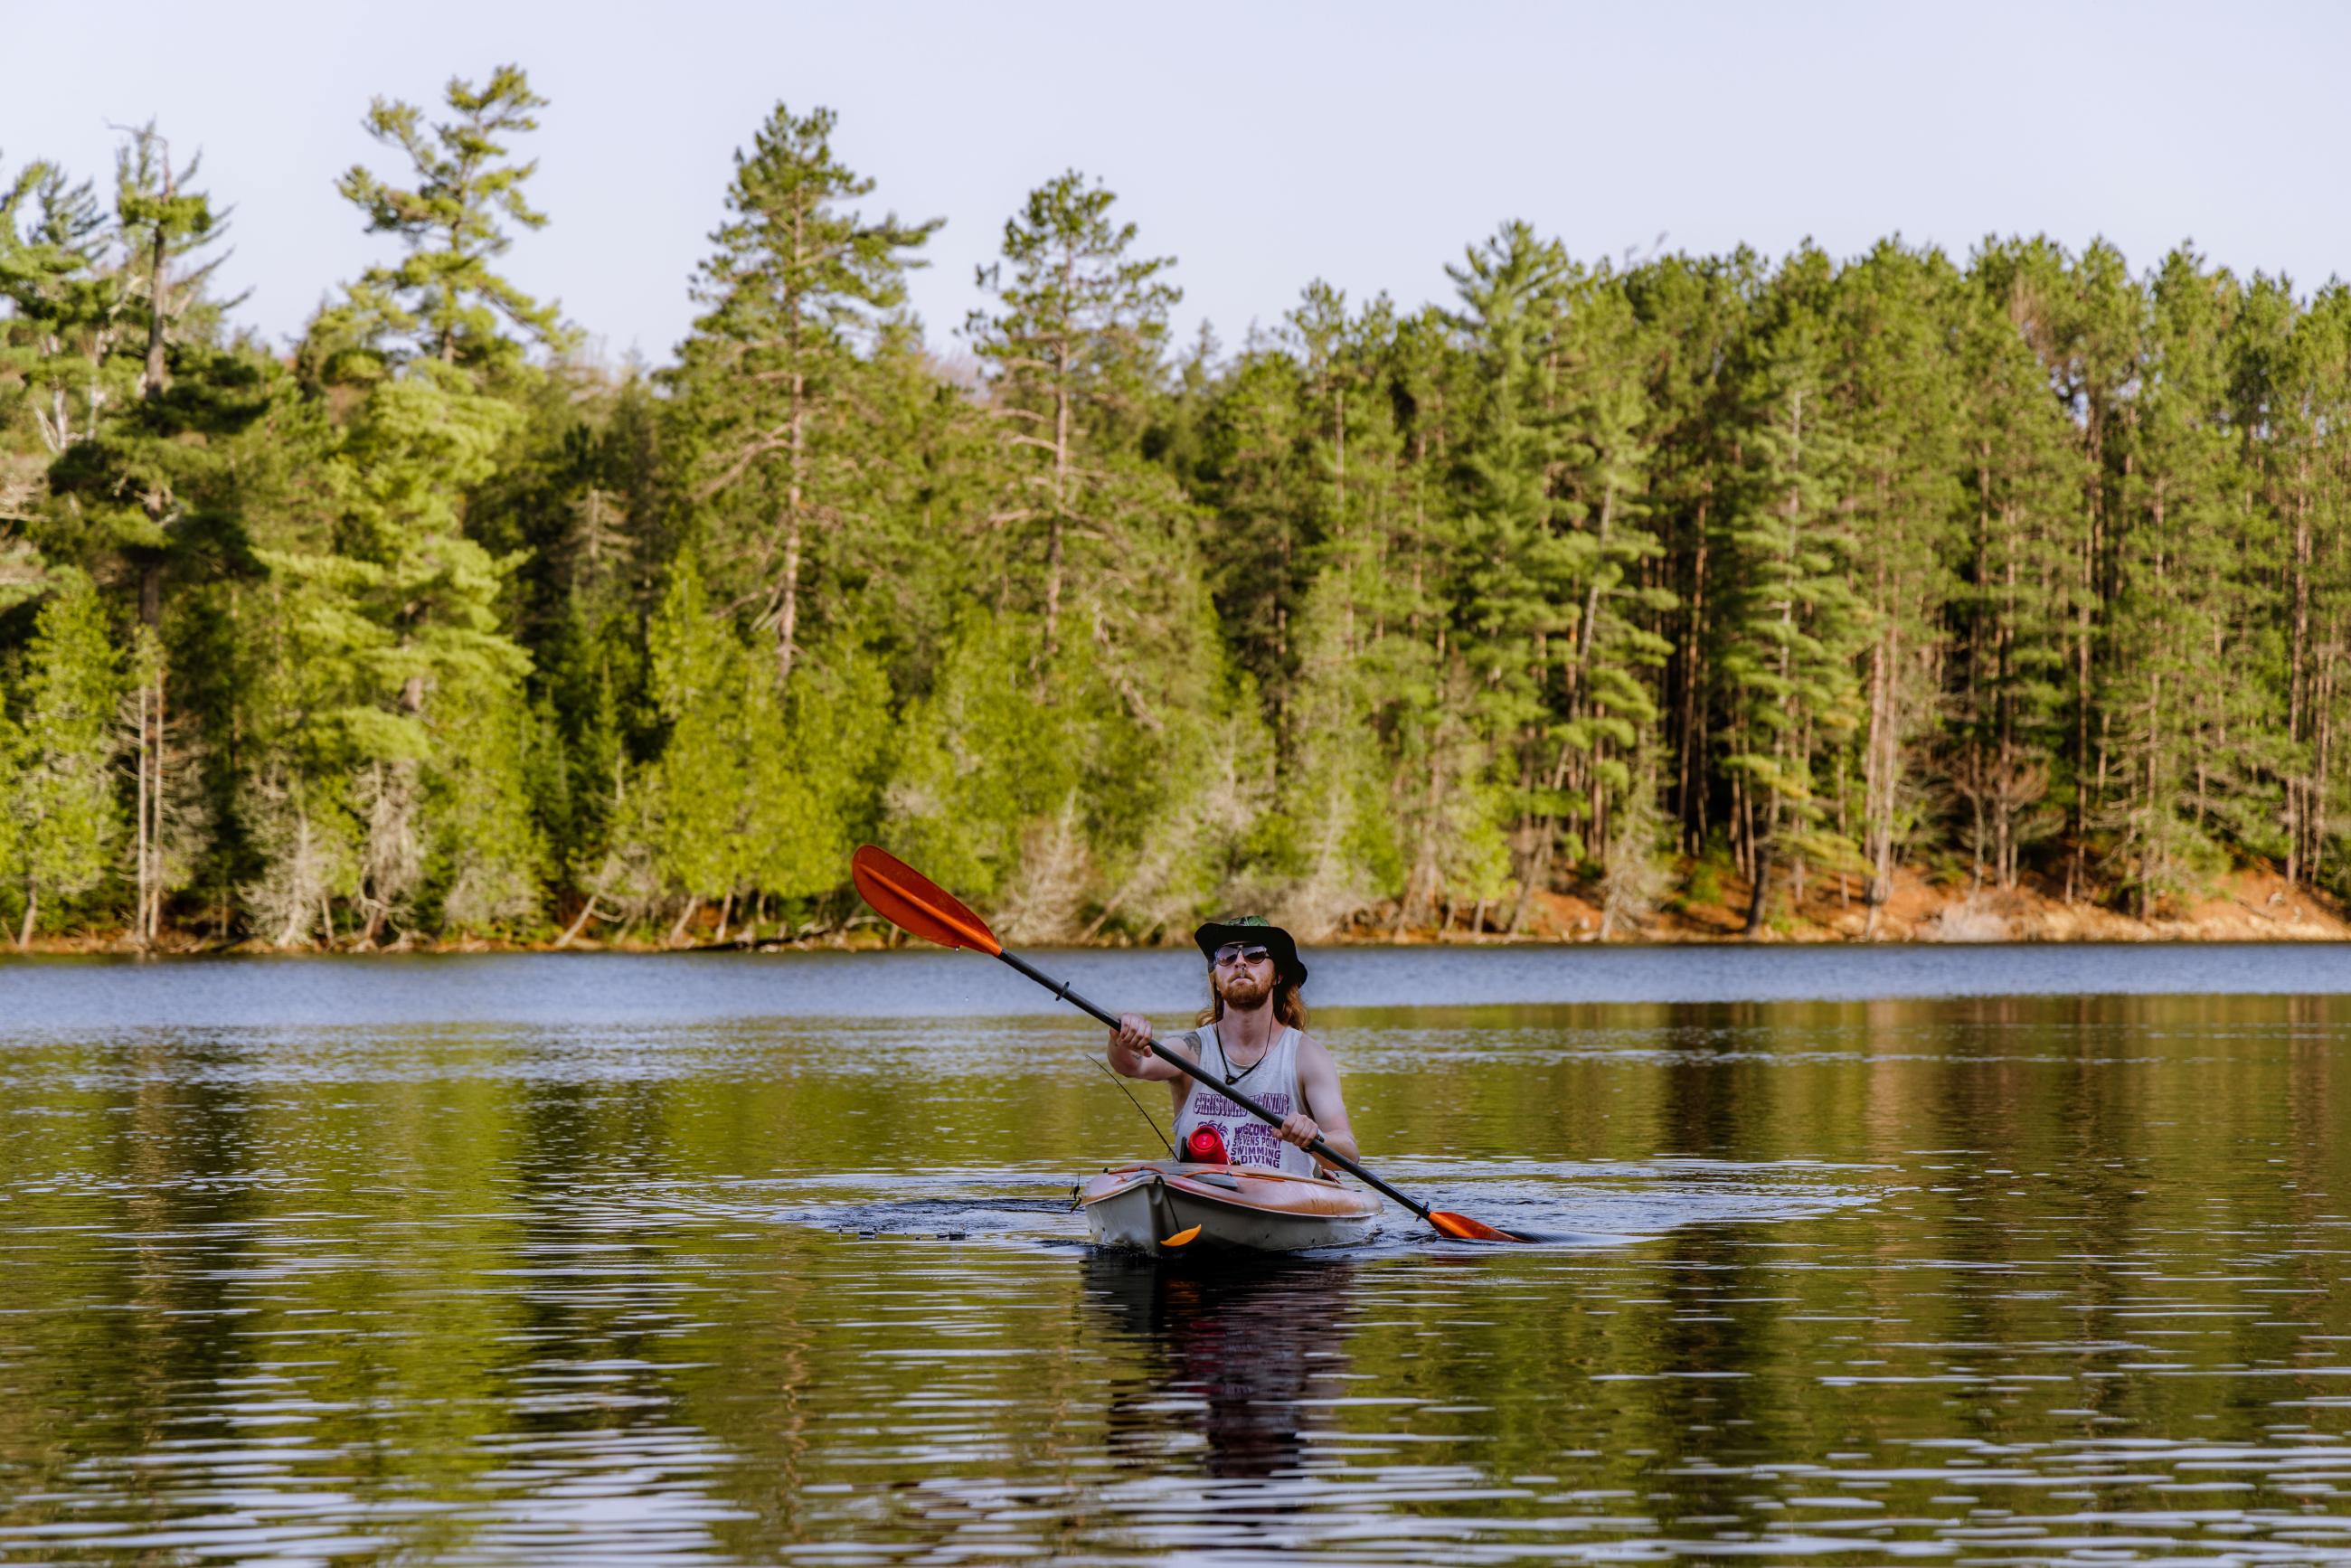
1163	1208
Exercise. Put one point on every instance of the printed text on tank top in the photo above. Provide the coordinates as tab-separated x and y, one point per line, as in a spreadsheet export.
1247	1140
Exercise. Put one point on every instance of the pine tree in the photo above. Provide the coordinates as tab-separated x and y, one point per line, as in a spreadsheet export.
12	827
1260	540
1608	701
150	488
583	505
816	783
978	762
291	699
1299	454
1334	834
2320	592
66	318
1441	797
486	856
2323	555
2185	692
1524	563
1119	630
443	294
770	380
1636	872
2291	369
435	645
2084	318
1790	621
2022	534
406	601
1894	323
1693	316
1073	344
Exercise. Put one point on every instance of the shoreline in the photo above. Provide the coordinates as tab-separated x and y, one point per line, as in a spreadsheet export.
2246	905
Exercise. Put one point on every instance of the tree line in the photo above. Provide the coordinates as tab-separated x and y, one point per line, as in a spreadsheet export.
1633	578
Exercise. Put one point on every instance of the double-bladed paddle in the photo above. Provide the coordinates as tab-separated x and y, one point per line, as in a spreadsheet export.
919	906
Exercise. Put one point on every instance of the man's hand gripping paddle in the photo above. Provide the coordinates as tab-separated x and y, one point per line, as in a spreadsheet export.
920	907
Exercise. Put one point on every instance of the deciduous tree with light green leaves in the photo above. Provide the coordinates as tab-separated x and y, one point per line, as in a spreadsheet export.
64	815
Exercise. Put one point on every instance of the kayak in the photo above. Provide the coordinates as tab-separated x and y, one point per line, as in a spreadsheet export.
1164	1207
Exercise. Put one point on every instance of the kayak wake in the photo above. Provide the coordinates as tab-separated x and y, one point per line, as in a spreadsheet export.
1587	1205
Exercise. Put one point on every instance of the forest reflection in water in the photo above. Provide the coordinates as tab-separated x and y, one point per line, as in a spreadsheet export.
2007	1281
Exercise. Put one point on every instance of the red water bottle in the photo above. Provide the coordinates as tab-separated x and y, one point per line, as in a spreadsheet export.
1205	1146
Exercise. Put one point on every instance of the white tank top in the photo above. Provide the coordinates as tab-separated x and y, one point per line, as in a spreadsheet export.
1272	1081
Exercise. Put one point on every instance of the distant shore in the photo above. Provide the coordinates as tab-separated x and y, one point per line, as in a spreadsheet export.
2245	905
2249	905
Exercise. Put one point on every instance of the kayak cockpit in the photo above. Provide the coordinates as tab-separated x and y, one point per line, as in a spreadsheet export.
1164	1207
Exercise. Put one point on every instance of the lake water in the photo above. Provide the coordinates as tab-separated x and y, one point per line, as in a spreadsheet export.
1996	1256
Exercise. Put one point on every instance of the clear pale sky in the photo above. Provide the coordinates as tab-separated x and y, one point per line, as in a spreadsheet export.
1262	145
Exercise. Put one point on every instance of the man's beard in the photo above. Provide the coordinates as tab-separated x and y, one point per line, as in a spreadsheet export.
1245	993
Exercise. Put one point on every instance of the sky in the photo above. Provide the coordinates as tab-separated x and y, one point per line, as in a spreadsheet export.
1262	145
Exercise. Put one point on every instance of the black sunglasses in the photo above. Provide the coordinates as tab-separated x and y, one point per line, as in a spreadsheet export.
1242	953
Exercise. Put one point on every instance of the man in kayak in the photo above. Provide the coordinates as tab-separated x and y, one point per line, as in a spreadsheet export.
1252	1037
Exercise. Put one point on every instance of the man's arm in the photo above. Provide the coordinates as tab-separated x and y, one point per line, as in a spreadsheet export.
1326	1112
1131	1055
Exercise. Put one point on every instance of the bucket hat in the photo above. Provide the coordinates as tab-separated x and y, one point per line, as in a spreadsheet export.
1252	928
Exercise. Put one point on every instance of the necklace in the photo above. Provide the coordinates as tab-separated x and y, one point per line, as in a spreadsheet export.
1234	1075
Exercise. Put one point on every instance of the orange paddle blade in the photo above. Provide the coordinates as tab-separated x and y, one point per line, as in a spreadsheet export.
1461	1227
915	904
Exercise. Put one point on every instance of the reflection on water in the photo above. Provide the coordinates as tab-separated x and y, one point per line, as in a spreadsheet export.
1992	1282
1239	1354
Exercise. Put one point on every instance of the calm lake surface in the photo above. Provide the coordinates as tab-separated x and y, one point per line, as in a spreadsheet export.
1991	1255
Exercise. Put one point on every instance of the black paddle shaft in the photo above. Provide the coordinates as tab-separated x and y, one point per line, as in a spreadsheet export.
1062	989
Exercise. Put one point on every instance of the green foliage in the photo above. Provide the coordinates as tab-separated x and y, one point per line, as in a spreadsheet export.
65	318
980	762
1793	626
777	388
818	785
2024	569
1706	873
65	821
701	783
1073	344
486	862
443	295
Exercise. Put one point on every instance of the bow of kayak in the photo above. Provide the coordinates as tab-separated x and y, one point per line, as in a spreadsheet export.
1168	1209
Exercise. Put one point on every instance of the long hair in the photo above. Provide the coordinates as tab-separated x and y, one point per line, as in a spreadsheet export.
1289	1007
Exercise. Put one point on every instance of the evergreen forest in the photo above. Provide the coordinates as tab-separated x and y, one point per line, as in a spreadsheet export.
1635	580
